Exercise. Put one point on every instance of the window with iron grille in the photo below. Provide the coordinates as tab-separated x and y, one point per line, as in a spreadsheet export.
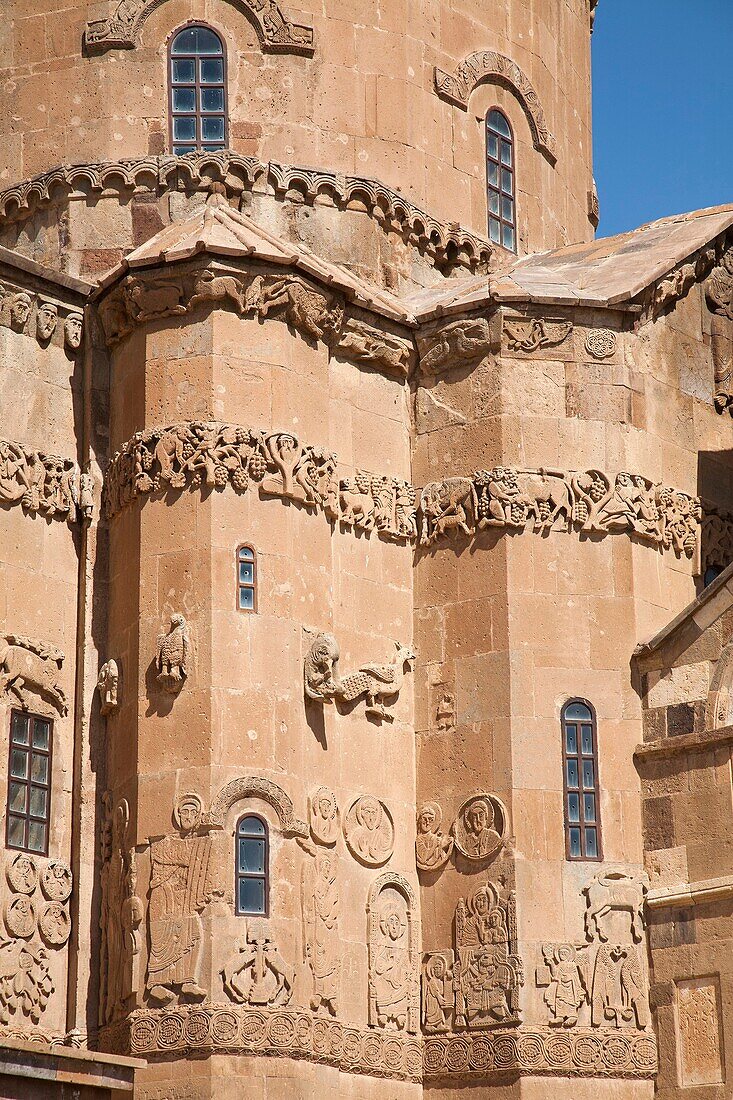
252	871
29	783
500	181
198	91
580	781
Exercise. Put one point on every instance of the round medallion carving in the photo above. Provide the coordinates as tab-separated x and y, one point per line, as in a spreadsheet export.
57	880
336	1035
531	1051
601	343
282	1030
392	1053
254	1029
588	1051
559	1050
22	874
505	1052
372	1050
480	828
369	831
20	917
55	924
352	1046
197	1028
320	1036
434	1055
224	1028
144	1034
324	816
457	1054
482	1053
170	1030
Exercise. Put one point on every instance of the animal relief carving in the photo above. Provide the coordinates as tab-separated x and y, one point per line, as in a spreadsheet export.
457	343
173	655
322	682
30	668
529	334
719	298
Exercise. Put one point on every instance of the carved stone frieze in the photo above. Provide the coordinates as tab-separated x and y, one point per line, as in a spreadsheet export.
258	975
321	943
183	882
394	982
254	786
529	334
369	831
322	682
680	281
432	847
29	669
457	343
480	828
37	316
533	1050
323	814
447	245
364	343
39	482
173	655
275	32
54	924
107	685
489	67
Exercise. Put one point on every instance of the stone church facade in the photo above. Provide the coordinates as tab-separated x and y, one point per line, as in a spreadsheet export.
365	533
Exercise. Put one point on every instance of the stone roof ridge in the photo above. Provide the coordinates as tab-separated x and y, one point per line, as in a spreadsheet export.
220	230
20	263
694	619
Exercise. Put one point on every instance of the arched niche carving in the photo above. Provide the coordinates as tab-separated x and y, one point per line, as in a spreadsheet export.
253	786
487	67
719	710
393	954
274	30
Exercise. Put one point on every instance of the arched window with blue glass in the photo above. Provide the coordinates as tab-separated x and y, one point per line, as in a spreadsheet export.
501	180
198	91
580	781
246	578
252	869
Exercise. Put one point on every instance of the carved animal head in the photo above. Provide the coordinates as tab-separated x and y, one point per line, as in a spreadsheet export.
405	654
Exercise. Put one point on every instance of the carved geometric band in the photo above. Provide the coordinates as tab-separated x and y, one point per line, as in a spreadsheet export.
446	244
43	483
578	1052
235	1029
275	33
214	455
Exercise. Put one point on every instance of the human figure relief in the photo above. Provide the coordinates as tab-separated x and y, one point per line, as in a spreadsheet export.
438	997
47	319
391	973
123	915
107	684
322	946
567	984
324	816
488	971
475	832
432	848
181	886
369	831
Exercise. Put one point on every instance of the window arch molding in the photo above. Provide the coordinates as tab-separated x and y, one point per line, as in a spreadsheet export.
198	100
123	31
581	788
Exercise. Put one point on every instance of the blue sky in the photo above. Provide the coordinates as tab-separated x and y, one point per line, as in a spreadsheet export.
662	108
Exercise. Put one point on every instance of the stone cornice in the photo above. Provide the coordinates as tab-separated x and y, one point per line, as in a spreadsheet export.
687	894
686	745
227	1028
447	245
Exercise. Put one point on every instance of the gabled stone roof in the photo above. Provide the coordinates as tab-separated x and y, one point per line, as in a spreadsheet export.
611	272
218	230
692	621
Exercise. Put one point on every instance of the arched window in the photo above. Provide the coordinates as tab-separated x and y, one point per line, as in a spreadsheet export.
580	781
198	94
246	579
500	181
252	872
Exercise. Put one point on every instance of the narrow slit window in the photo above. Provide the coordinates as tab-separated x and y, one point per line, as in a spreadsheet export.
252	871
198	91
246	579
580	782
500	181
29	783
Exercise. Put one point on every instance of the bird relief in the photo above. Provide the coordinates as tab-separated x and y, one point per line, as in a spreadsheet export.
375	683
173	654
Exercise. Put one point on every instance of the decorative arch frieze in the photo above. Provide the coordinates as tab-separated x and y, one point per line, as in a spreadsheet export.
487	67
275	32
253	786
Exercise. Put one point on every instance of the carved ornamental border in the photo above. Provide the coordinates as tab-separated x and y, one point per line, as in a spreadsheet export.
215	456
231	1029
446	245
44	484
275	32
487	67
257	787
